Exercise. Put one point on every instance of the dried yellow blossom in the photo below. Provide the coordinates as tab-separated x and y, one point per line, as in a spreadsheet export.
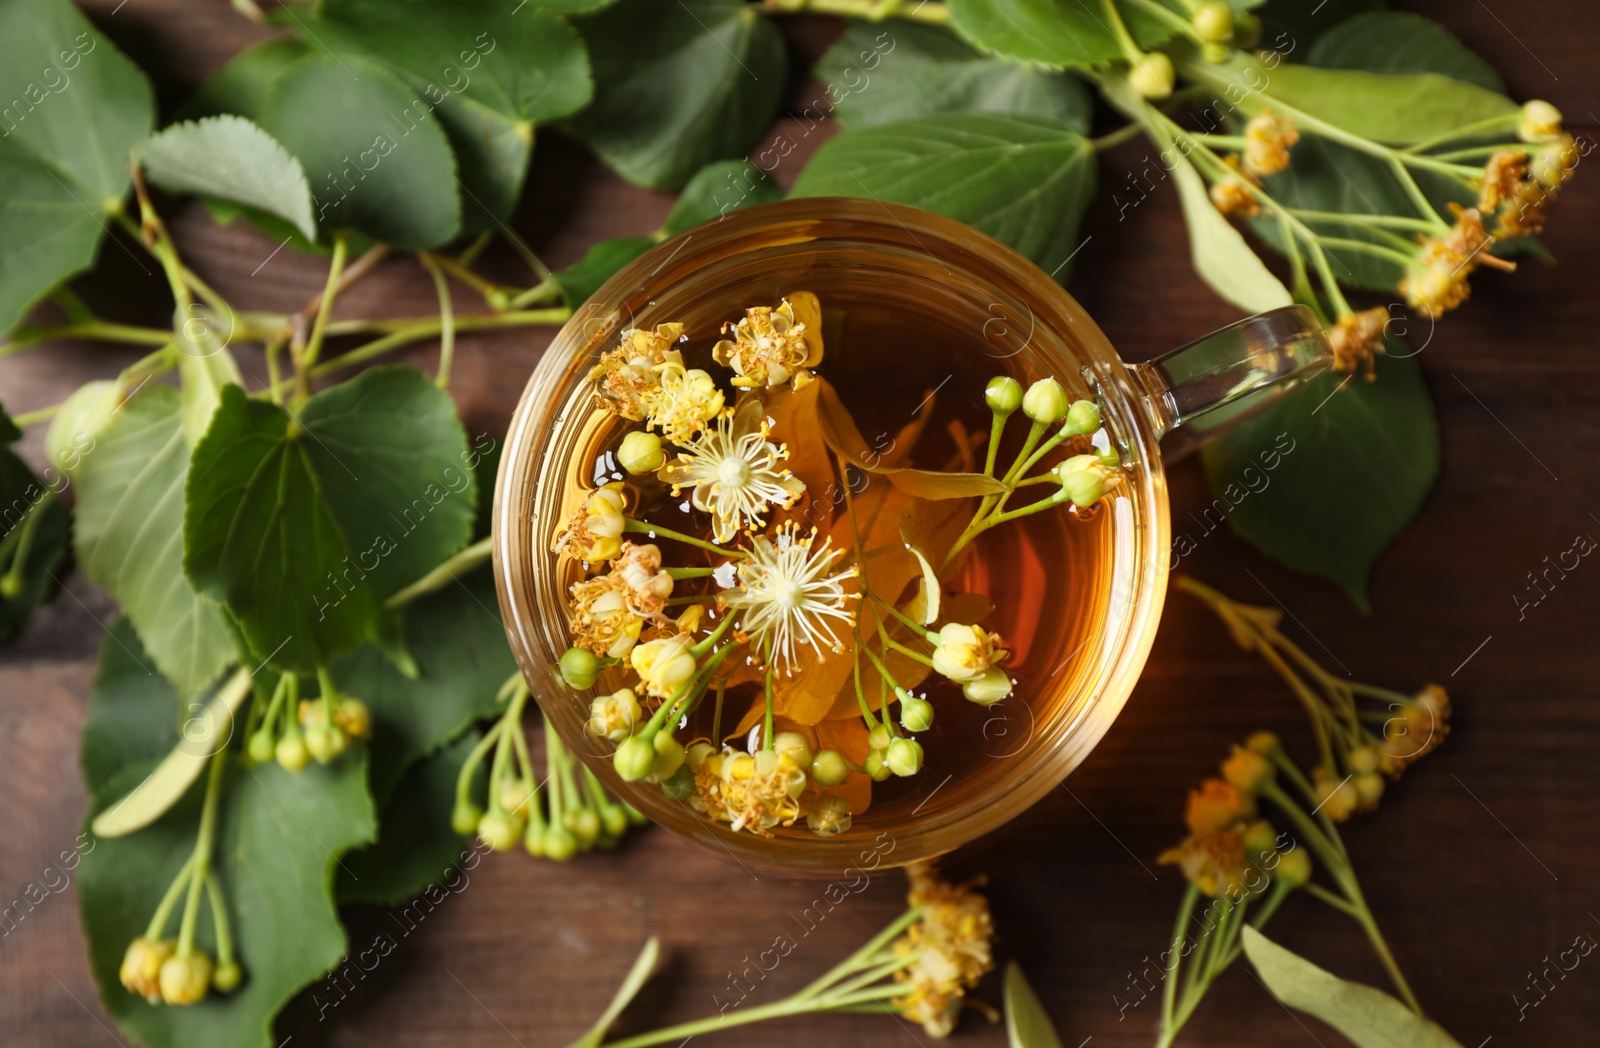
1503	176
1418	731
627	374
752	792
771	346
1357	339
648	584
594	533
1233	196
682	403
1217	804
1267	140
141	966
952	943
1214	862
1437	281
602	620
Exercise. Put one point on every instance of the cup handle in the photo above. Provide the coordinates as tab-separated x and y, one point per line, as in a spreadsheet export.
1196	393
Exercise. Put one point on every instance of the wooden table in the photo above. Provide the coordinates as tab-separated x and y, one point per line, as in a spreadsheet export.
1481	863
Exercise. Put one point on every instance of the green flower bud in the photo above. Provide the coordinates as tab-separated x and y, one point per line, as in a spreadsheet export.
641	452
1004	395
795	746
579	667
829	818
613	821
1045	401
1083	418
291	750
1246	29
325	742
559	843
829	768
1215	54
904	757
679	785
988	688
699	752
1260	839
1152	75
1213	23
585	825
227	977
465	816
1294	868
514	797
915	714
1247	770
185	980
141	966
260	747
1369	787
669	756
876	767
1263	742
634	758
533	840
500	830
10	586
635	816
1083	480
879	738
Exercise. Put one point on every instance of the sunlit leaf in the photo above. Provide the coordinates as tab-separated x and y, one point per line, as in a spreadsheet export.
230	158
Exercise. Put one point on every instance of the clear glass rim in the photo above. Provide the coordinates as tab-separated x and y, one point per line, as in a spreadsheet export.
987	264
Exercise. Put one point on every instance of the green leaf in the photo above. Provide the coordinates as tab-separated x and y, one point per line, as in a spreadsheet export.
415	844
205	368
129	537
302	526
230	158
642	967
377	160
135	714
935	484
1220	255
209	726
28	509
279	836
1369	1017
1400	42
241	87
74	106
1289	25
716	189
1055	34
878	76
599	264
678	85
459	645
1023	181
1027	1025
492	157
1347	471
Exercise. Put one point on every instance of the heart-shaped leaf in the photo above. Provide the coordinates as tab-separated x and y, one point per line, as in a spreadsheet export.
1054	33
302	525
716	189
1369	1017
1348	470
230	158
377	160
678	85
74	106
1023	181
879	74
128	532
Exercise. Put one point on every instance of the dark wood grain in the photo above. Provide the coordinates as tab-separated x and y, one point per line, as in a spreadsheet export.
1481	864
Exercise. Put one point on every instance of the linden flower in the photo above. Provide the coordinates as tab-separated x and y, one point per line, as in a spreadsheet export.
1419	730
952	942
1357	339
735	472
771	346
594	533
664	665
749	792
1503	176
1437	281
1216	805
682	403
648	585
1232	195
1213	862
602	620
966	652
141	966
786	595
1267	140
629	373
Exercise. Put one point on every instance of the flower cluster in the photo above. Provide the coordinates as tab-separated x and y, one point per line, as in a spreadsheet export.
764	600
294	730
949	947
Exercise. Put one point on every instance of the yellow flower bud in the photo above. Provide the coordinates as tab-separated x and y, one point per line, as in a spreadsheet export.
829	768
988	688
1045	401
500	830
560	844
1247	770
227	977
1363	759
876	767
1262	742
915	714
325	742
141	966
185	980
965	652
1084	479
1217	805
353	718
904	757
1260	839
1540	120
579	667
464	817
669	756
1083	418
831	817
1294	868
1152	75
1213	22
641	453
1369	788
615	716
291	750
634	758
1336	799
664	665
879	738
794	746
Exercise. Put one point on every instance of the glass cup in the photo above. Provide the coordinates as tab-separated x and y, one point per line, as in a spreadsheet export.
1030	328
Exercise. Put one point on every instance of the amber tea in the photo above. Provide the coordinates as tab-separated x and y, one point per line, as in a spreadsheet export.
829	555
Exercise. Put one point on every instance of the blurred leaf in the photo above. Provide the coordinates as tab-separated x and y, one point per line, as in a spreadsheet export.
1369	1017
231	158
129	537
74	106
242	85
302	526
1027	1025
492	157
377	160
27	504
1023	181
1053	33
1291	25
880	73
1348	471
582	279
718	188
135	714
678	85
415	844
1400	42
1224	261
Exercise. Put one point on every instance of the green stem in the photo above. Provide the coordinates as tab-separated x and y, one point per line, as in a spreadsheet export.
455	566
1387	221
202	853
27	337
997	427
319	327
447	326
766	720
415	331
1169	989
1374	936
644	527
11	582
544	292
158	921
470	765
926	12
1493	123
1366	247
1112	139
219	919
1338	902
